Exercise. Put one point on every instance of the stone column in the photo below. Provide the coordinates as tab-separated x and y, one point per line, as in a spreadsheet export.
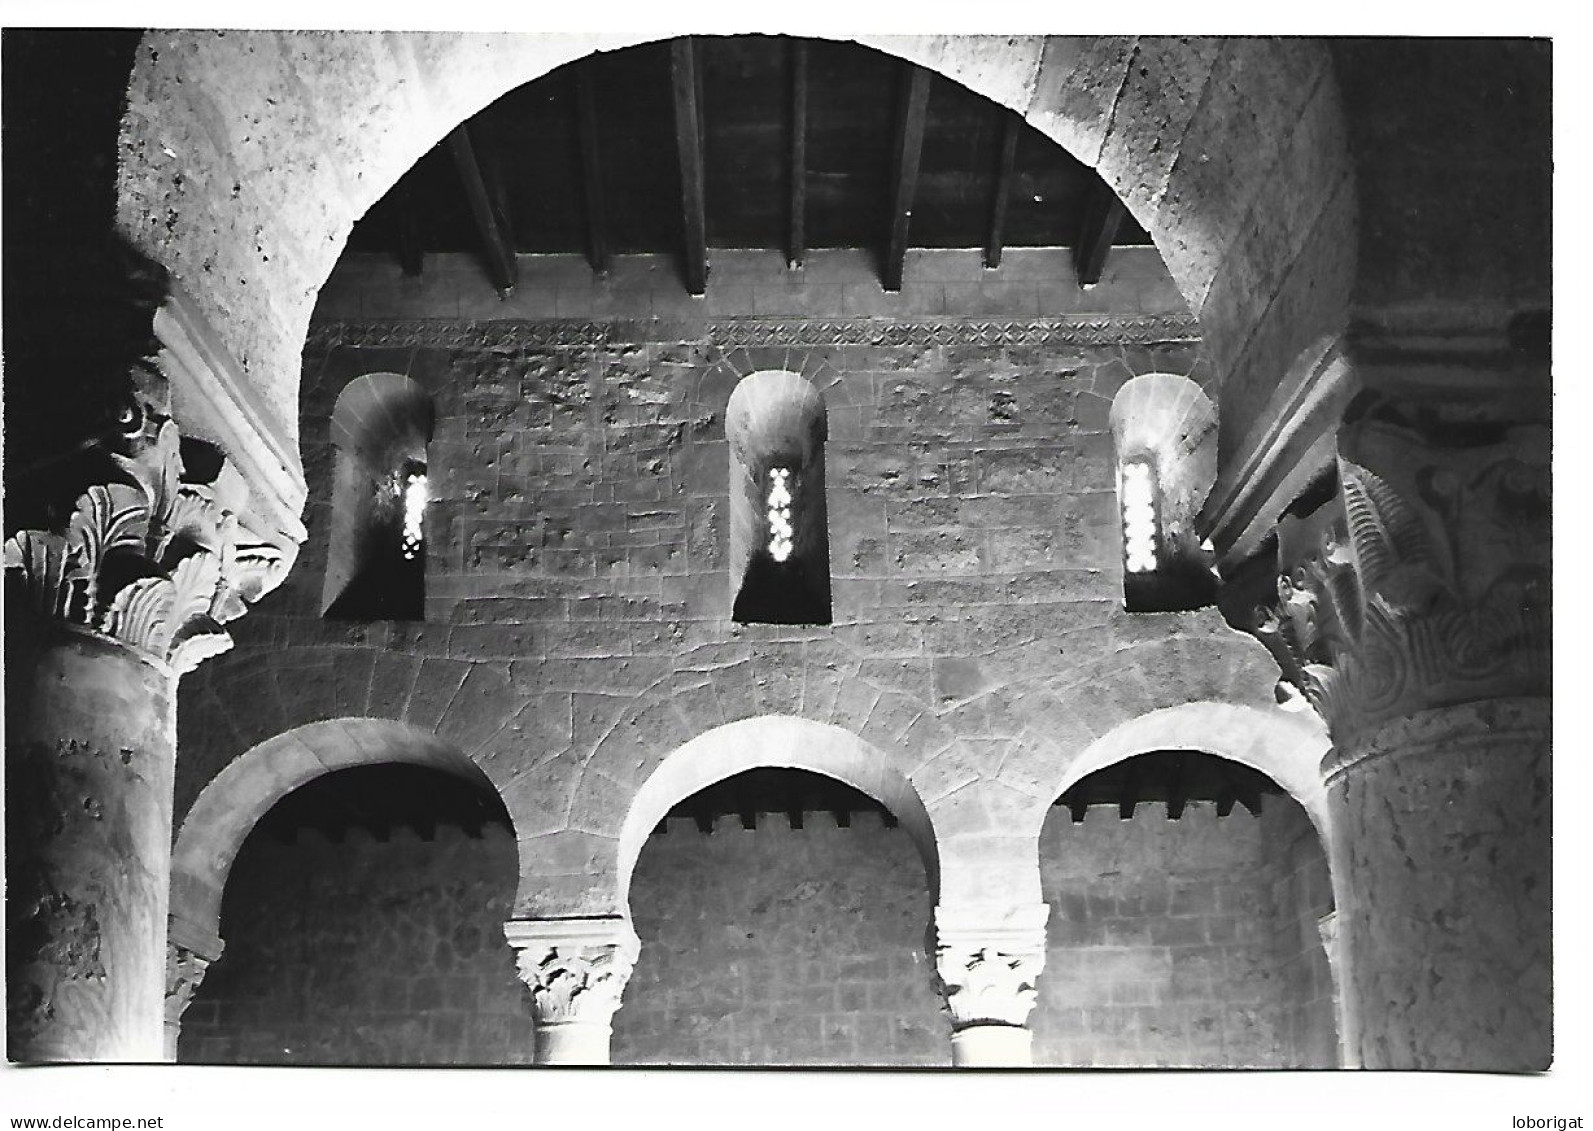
1414	613
106	609
576	970
988	965
189	952
90	749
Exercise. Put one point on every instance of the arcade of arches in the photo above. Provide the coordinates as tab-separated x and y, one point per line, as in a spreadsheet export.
1127	646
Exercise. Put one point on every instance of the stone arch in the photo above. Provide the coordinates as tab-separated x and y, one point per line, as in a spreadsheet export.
778	741
1231	154
1286	747
234	801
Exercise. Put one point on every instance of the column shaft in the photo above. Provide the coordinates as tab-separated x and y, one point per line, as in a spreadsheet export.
1445	878
89	760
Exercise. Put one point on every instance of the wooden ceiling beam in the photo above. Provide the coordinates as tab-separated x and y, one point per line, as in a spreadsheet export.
796	241
688	142
1103	216
411	256
1226	796
499	253
585	102
1128	792
906	150
1178	786
1001	190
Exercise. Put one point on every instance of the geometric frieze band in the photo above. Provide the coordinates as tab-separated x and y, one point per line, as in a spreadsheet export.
729	333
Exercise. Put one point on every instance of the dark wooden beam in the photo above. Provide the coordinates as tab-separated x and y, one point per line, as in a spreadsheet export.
1128	792
499	254
1226	796
411	256
1103	216
1250	797
796	242
591	170
688	141
1178	786
906	150
1001	191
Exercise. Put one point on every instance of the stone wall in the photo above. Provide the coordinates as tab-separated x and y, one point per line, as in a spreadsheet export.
1164	943
782	946
772	946
578	595
359	952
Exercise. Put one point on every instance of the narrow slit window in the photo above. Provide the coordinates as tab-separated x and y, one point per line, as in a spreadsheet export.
1137	493
779	543
376	558
1165	432
781	531
415	497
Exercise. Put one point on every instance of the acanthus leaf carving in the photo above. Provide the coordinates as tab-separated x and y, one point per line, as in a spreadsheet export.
155	558
576	969
1443	597
988	962
39	559
983	985
582	983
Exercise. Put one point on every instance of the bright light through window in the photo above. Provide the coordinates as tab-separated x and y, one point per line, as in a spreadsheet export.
1138	498
415	497
779	501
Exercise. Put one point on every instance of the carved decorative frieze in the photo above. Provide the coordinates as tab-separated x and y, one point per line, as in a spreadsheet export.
576	969
158	556
988	967
1423	583
730	333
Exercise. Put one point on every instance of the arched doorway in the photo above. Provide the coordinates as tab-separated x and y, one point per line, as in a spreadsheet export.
1191	901
363	925
782	919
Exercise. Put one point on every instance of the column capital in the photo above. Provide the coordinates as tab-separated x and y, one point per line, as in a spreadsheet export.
189	952
988	962
159	553
1423	580
576	970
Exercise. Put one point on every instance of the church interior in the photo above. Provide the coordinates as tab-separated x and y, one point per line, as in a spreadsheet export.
906	551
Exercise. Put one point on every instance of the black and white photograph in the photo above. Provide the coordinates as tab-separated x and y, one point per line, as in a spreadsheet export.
1023	558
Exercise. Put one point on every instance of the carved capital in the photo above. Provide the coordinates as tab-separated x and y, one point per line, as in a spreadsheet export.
1424	581
988	965
576	969
161	553
189	953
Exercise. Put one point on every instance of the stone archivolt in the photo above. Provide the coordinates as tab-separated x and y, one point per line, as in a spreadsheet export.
160	556
1422	584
